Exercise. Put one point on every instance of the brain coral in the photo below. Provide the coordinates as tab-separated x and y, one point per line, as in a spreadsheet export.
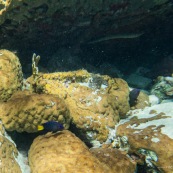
96	102
24	111
63	152
10	74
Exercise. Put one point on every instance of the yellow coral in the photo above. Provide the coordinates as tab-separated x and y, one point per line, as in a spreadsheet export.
10	74
96	102
24	111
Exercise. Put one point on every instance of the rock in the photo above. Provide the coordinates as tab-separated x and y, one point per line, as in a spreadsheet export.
63	152
149	132
24	111
163	88
96	102
142	101
70	22
10	74
115	159
8	154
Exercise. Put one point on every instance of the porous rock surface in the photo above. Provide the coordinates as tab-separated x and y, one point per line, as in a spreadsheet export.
10	74
8	154
24	111
151	129
63	152
115	159
142	101
96	102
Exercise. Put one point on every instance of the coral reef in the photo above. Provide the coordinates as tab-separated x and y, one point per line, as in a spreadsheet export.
8	154
63	152
163	88
142	101
115	159
10	74
24	111
149	133
96	102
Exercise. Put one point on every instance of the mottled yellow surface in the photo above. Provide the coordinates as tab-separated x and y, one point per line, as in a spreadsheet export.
8	152
10	74
63	152
24	111
95	102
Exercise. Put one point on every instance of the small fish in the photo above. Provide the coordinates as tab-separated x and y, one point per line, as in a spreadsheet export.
118	36
133	96
50	126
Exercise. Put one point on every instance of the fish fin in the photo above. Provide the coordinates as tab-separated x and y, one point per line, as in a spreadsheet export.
40	127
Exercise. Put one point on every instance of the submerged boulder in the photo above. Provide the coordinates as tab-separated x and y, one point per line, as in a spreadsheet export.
9	156
149	132
11	75
24	111
63	152
96	102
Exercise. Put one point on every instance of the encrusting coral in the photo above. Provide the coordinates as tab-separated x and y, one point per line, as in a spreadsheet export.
10	74
63	152
149	132
96	102
24	111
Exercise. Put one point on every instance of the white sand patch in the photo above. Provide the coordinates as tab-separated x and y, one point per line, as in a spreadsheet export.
167	123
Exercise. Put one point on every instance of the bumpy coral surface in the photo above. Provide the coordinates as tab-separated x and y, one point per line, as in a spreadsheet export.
25	111
115	159
8	154
10	74
63	152
149	133
163	88
96	102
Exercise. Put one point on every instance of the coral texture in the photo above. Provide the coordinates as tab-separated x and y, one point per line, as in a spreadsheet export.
8	154
63	152
163	88
151	129
115	159
10	74
95	102
142	101
24	111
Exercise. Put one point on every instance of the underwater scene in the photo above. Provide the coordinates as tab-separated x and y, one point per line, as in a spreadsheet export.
86	86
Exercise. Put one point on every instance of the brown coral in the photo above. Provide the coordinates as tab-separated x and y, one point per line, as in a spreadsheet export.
96	102
8	154
24	111
115	159
150	129
142	101
63	152
10	74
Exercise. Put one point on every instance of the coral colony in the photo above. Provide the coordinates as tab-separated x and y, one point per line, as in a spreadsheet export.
99	99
